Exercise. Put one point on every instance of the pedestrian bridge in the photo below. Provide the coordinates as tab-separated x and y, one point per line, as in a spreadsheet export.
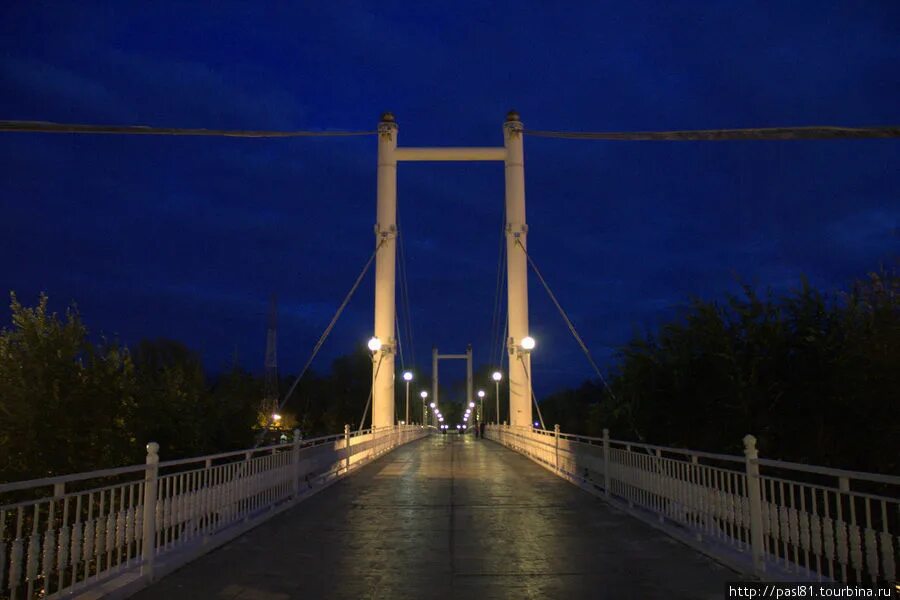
407	512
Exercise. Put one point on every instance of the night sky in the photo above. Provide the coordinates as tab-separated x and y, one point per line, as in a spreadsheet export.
187	238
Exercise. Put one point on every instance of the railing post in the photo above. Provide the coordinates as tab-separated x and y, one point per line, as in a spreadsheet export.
660	482
753	493
606	462
347	448
151	473
556	434
295	457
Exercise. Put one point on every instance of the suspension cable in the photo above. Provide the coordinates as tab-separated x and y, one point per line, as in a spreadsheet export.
715	135
371	391
498	301
566	318
48	127
321	341
530	389
404	294
502	351
399	342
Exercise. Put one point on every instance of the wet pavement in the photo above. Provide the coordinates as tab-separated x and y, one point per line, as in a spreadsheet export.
449	517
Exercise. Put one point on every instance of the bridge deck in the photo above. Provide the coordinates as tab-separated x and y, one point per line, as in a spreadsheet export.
449	517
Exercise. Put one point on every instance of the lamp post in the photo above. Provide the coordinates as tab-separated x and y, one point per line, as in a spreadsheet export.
407	377
497	376
423	394
481	407
431	406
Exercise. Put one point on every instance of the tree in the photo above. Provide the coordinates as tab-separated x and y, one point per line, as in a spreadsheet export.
173	407
813	376
63	401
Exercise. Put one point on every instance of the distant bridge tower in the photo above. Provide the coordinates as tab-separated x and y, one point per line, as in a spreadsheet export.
269	405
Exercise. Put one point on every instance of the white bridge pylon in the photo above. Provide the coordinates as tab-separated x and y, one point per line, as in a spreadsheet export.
436	358
512	155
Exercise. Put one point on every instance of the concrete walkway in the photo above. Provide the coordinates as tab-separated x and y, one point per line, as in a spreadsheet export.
449	517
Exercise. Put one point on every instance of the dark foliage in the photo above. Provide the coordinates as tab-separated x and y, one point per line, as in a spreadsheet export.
816	378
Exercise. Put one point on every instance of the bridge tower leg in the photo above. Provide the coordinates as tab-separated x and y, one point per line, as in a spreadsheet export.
517	269
469	385
385	274
434	376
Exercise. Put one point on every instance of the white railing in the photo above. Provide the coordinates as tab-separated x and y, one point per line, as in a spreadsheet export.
775	519
117	529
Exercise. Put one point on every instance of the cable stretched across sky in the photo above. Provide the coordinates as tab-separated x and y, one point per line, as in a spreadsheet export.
717	135
755	133
47	127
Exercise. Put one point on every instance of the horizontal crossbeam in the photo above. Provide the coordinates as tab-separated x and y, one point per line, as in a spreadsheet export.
462	356
449	154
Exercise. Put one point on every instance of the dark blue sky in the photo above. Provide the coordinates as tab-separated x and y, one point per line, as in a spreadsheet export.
186	238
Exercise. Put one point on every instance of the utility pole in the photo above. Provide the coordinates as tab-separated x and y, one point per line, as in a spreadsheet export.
269	406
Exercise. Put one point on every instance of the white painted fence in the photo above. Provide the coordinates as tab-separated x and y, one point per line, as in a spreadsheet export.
111	532
775	519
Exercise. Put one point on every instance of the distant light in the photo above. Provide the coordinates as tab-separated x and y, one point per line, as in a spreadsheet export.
459	426
536	424
497	376
276	417
528	343
441	419
374	344
481	393
471	405
424	395
432	405
407	376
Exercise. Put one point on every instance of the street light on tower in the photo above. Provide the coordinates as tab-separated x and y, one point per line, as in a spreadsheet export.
423	394
497	376
407	377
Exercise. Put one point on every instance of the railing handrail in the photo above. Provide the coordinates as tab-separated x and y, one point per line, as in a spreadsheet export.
669	449
112	535
778	464
772	521
101	473
48	481
858	475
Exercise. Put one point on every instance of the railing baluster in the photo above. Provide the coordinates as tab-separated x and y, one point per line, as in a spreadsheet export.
62	554
871	544
843	549
48	557
887	545
33	556
804	528
16	555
